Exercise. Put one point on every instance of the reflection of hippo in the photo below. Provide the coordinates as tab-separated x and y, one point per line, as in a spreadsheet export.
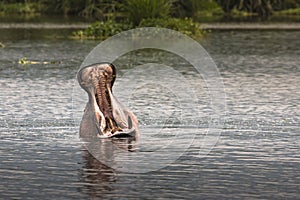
98	179
104	115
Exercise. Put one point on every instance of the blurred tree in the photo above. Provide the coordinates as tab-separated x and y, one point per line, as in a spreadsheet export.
99	9
285	4
263	8
136	10
190	8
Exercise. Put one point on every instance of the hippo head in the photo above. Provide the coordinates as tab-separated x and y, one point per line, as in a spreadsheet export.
104	113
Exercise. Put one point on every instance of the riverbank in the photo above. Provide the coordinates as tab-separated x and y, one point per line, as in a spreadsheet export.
250	26
44	25
204	26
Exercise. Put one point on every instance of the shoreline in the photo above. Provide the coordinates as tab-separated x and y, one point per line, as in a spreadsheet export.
43	25
204	26
251	26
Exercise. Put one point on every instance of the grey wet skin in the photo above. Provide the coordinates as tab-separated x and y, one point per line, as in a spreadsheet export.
104	115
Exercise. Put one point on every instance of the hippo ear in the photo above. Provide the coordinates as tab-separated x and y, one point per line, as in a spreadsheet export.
114	73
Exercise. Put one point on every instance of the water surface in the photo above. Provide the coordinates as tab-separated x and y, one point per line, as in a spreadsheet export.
256	156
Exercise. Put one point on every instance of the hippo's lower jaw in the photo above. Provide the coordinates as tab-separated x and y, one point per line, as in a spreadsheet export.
112	118
119	133
110	126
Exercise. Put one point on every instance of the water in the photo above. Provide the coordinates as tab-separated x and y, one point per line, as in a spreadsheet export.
256	156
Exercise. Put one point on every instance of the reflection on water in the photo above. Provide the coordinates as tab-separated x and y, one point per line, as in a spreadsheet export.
97	177
257	155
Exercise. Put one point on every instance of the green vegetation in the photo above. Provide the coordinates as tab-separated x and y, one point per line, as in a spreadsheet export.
141	13
20	8
137	10
25	61
102	30
294	11
103	9
115	16
196	8
262	8
186	26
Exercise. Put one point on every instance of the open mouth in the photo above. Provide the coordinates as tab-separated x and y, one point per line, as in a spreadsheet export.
102	81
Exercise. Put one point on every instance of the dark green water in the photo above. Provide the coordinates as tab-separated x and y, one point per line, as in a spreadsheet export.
256	156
